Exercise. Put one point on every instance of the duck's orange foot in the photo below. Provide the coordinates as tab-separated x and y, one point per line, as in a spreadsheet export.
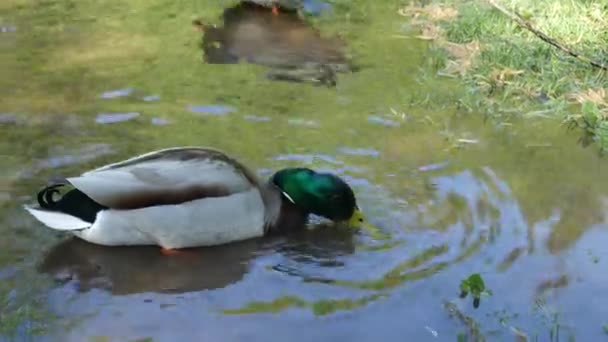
275	10
167	251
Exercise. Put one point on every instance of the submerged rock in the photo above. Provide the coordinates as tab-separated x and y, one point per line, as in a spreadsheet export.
110	118
151	98
308	158
159	121
382	121
433	167
66	156
7	28
359	151
82	155
116	93
303	122
256	118
211	109
8	272
6	118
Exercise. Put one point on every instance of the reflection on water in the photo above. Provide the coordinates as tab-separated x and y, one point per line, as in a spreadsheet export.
291	47
123	270
129	270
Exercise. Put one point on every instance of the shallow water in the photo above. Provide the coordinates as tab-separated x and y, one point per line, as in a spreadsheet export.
521	203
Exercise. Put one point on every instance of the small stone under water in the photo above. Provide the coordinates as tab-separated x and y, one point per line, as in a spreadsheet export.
382	121
64	157
212	109
8	272
308	158
256	118
8	29
6	118
116	93
85	154
264	172
302	122
151	98
433	167
359	151
159	121
110	118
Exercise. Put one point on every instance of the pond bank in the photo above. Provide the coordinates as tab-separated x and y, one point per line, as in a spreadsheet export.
511	71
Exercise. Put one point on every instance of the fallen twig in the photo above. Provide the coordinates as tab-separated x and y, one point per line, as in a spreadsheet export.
527	25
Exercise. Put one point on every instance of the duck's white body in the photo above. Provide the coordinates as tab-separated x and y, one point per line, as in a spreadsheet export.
203	222
174	198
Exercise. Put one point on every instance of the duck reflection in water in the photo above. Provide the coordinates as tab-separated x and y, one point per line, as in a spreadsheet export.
292	49
130	270
136	269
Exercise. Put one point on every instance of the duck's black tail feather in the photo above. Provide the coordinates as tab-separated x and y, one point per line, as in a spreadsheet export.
74	202
45	197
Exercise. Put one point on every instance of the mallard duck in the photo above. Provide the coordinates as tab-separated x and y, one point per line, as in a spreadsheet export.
190	196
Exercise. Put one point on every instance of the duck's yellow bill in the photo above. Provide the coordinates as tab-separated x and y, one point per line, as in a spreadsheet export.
358	220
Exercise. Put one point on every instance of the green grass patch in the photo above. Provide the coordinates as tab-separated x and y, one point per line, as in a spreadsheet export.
515	72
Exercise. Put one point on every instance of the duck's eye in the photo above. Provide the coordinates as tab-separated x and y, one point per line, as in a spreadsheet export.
360	219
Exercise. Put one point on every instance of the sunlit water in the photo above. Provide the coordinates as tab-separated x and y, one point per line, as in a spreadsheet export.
522	203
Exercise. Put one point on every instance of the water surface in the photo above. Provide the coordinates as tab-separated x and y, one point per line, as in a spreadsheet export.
521	203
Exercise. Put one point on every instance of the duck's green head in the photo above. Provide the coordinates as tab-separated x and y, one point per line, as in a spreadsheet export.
322	194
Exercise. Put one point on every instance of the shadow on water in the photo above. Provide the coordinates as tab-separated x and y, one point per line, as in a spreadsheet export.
293	49
130	270
124	270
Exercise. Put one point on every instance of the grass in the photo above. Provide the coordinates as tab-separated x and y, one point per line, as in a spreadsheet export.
19	315
514	71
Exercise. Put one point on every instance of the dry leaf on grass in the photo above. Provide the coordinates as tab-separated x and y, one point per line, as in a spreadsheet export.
529	91
500	77
503	75
434	12
598	96
463	57
430	32
463	51
426	18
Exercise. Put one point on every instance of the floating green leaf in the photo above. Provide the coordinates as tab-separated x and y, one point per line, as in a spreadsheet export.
475	285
